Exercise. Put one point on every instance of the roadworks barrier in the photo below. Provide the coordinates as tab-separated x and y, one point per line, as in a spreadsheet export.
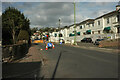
46	47
53	46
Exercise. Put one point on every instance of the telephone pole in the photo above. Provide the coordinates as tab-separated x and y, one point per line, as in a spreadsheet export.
74	24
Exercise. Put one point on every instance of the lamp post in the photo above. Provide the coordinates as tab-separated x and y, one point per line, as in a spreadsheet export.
59	30
74	24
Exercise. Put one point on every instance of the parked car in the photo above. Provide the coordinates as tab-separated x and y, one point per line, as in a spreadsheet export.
97	41
86	40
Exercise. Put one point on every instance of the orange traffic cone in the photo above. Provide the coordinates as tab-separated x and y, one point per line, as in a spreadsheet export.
46	48
53	46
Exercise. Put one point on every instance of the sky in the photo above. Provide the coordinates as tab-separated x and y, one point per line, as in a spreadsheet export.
47	14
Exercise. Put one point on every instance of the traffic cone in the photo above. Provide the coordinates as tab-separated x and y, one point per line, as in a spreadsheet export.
53	46
46	48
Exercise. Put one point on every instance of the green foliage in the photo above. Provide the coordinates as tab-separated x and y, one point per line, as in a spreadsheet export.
23	35
12	22
33	30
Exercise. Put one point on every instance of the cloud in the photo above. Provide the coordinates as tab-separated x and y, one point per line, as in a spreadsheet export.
59	0
47	14
0	13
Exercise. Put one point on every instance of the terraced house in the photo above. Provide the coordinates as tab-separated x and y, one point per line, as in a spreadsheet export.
105	26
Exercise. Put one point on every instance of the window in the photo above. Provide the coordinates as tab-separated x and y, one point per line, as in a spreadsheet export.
80	27
98	32
88	25
60	35
98	22
93	24
118	30
84	33
55	35
108	21
118	17
84	26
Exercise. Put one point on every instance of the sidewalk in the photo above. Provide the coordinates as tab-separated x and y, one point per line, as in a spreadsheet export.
33	55
95	47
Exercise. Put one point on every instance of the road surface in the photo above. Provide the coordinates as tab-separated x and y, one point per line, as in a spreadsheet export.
66	62
72	62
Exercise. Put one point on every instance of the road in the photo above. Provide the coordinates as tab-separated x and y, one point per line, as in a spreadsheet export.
72	62
65	62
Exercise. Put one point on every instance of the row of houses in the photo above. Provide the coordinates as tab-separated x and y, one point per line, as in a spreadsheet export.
105	26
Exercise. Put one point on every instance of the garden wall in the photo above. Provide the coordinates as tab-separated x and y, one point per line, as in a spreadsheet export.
15	51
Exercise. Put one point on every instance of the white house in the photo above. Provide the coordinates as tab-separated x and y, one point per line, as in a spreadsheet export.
105	26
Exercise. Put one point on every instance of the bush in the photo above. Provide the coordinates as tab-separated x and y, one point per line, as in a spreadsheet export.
23	35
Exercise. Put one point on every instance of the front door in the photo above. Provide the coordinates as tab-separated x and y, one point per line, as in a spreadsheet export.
118	30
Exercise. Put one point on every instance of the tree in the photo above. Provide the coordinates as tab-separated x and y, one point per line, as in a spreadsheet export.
12	22
23	35
33	30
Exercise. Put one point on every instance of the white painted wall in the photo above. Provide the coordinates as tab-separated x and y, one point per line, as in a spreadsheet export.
95	28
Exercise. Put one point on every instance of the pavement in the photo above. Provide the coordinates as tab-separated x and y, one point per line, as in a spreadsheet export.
26	67
91	46
33	55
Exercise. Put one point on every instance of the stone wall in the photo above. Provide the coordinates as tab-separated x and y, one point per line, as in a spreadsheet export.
14	51
110	43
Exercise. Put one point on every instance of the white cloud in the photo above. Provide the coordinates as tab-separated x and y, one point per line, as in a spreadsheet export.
0	13
59	0
47	14
101	12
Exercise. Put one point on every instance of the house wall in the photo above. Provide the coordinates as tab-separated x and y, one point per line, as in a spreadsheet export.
94	29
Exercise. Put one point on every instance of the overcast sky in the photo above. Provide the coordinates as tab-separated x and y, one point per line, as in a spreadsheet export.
47	14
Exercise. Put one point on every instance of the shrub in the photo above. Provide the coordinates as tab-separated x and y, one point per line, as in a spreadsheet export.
23	35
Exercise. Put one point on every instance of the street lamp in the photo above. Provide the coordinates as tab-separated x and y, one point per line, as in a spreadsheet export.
59	30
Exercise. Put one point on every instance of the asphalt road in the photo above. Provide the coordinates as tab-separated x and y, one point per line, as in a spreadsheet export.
65	62
72	62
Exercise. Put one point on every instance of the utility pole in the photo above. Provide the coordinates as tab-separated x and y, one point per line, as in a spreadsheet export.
74	24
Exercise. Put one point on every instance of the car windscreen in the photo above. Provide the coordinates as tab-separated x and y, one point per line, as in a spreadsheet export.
98	40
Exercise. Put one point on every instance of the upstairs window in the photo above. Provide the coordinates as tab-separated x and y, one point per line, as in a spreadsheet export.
108	21
98	22
93	24
84	26
80	27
